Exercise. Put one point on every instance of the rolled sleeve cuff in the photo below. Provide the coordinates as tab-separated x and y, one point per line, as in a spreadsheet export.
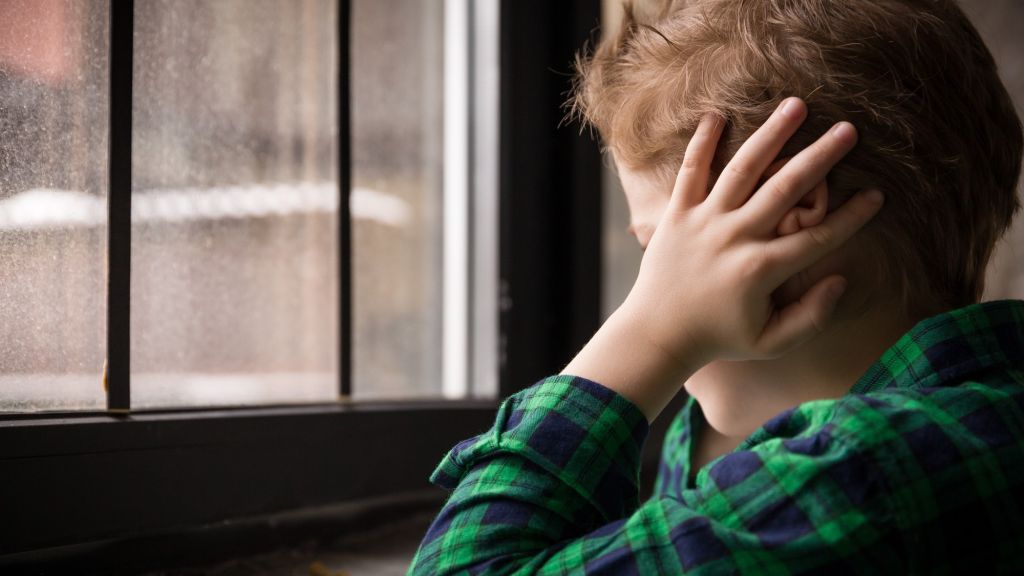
585	434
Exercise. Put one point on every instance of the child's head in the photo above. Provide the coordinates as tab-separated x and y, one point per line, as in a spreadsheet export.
938	132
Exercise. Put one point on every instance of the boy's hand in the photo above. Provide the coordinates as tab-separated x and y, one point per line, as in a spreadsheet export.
705	282
703	291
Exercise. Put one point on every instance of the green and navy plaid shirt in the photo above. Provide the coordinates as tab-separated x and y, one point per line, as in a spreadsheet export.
919	469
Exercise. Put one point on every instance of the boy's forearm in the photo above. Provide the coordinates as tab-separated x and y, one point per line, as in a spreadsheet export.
623	359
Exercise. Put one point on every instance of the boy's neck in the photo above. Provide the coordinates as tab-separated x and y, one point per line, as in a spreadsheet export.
736	398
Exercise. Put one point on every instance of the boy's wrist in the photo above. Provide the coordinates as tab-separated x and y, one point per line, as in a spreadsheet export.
623	357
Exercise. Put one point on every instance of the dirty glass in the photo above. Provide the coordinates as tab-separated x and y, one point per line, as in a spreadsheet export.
53	182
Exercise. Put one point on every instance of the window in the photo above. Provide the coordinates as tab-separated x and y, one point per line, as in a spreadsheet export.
234	183
314	241
53	186
398	131
234	265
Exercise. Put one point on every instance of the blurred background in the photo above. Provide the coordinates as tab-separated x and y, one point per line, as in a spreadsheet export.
235	200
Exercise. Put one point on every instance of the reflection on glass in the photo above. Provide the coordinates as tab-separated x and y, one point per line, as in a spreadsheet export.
53	160
397	79
234	235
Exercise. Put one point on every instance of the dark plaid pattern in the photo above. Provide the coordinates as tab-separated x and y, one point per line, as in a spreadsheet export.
919	469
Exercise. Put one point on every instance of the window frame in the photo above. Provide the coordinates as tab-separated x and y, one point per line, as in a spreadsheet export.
90	483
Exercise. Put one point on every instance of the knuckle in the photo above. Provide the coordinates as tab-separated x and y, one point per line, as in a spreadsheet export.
754	263
822	149
824	153
768	258
820	236
739	170
777	189
691	161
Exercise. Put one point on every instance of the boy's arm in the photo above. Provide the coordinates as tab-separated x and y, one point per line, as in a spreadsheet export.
552	489
561	460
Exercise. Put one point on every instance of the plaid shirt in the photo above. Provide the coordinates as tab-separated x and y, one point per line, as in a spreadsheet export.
918	469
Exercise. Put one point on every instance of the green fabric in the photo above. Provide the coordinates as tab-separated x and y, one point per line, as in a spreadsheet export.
918	469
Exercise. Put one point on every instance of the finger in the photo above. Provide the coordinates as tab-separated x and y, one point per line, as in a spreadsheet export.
802	320
787	255
741	174
691	187
783	190
789	223
774	168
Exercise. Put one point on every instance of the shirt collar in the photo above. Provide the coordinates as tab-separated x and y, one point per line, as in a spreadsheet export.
946	348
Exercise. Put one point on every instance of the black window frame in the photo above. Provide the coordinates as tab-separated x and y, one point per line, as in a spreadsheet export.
92	484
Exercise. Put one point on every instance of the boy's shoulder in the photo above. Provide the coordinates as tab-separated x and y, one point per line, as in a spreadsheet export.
976	409
943	407
961	371
903	434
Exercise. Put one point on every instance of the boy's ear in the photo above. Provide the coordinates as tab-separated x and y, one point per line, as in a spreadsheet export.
809	211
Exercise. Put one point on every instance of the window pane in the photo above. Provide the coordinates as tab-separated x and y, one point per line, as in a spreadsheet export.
53	182
397	154
234	249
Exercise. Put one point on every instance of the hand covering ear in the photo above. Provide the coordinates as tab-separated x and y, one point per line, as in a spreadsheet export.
809	211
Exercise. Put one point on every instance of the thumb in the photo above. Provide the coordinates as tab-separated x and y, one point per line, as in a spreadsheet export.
802	320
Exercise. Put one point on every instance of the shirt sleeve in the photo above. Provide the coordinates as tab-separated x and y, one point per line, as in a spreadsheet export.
552	488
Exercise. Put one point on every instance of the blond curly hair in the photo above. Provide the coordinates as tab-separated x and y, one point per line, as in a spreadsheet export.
938	131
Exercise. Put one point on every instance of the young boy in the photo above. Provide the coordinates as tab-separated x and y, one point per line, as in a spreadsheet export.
811	276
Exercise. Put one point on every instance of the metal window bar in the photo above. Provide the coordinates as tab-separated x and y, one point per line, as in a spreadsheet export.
117	376
344	215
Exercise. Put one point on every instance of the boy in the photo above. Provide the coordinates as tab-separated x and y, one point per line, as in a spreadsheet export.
811	276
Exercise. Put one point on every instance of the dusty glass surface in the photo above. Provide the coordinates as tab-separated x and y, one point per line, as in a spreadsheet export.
53	160
397	156
234	226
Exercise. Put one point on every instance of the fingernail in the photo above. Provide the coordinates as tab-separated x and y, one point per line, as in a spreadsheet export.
836	290
714	119
875	196
790	107
844	131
